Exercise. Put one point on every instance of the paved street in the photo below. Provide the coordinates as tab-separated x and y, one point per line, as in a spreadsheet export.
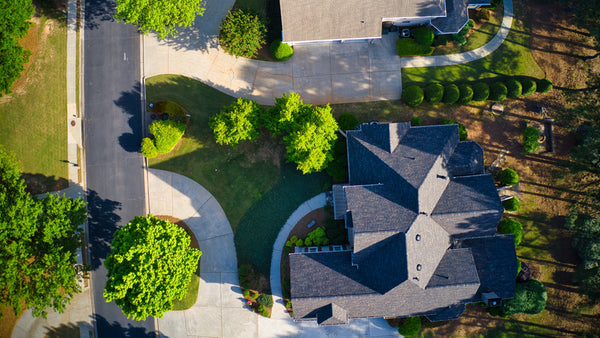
113	131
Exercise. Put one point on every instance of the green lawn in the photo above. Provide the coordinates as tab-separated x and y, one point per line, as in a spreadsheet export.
33	118
512	58
255	188
191	294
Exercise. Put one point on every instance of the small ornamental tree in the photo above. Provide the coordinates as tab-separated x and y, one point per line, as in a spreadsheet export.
237	122
466	94
347	121
413	95
423	35
514	88
451	94
530	139
150	266
38	243
434	92
162	16
544	86
510	226
242	33
529	87
281	51
481	91
512	204
530	298
509	177
410	327
498	91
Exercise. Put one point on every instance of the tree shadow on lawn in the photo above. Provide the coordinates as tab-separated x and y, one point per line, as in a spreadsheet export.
40	183
259	227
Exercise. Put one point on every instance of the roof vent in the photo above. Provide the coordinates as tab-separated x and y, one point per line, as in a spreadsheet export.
419	267
443	177
418	237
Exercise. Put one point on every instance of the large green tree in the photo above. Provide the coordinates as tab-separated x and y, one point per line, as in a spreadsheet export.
150	265
237	122
14	16
161	16
38	243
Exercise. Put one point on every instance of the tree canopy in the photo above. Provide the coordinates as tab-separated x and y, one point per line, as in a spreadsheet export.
161	16
14	16
237	122
38	243
150	265
530	298
310	132
242	33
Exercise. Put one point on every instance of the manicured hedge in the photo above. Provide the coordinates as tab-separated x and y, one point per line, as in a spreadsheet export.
529	87
512	204
423	35
514	88
481	91
510	226
451	94
415	121
413	95
466	94
498	91
544	86
434	92
530	139
509	177
410	327
347	121
281	51
409	47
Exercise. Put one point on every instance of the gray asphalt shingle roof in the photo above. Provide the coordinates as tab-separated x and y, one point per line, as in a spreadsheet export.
410	217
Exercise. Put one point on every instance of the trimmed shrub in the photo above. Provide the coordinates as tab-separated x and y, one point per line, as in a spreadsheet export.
415	121
462	131
265	313
166	134
466	94
299	242
347	121
512	204
529	87
530	139
288	304
509	177
265	299
530	298
544	86
289	244
451	94
459	39
498	91
148	148
510	226
409	47
281	51
423	35
412	95
246	293
255	295
410	327
514	88
434	92
481	91
242	33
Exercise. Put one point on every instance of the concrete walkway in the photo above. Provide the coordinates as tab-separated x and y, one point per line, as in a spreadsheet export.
281	324
320	73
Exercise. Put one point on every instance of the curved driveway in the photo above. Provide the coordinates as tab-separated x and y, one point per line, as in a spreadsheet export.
320	73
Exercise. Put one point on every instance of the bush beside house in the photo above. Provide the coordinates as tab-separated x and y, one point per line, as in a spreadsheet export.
412	96
451	94
434	92
281	51
510	226
512	204
410	327
509	177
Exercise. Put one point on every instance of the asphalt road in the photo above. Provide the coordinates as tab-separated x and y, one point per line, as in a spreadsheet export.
113	132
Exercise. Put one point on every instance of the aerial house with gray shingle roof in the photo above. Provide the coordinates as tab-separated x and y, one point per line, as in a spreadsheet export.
306	21
421	216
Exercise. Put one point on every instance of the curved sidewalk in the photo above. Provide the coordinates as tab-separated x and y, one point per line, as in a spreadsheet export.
220	309
281	324
320	73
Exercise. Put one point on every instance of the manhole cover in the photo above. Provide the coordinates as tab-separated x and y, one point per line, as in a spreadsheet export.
73	123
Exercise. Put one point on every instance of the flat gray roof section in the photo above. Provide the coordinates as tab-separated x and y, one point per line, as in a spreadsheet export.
322	20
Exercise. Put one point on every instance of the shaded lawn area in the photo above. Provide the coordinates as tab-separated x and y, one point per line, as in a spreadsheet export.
33	117
511	58
255	188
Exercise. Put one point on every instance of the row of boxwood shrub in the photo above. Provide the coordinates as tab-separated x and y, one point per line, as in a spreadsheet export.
479	91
